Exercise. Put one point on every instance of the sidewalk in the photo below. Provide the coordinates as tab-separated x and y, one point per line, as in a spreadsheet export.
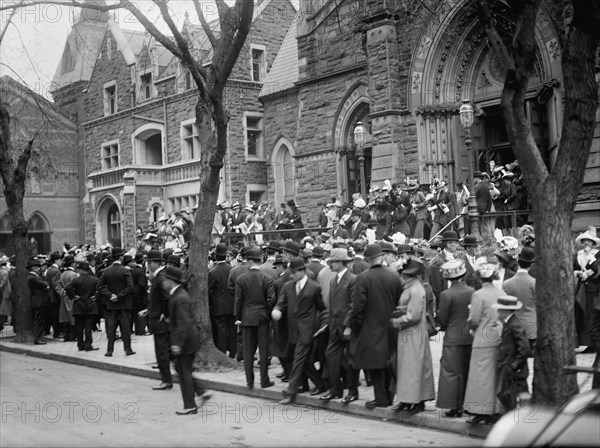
234	381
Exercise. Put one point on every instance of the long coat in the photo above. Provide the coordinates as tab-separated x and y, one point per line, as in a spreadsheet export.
372	342
140	287
220	298
39	289
301	310
184	332
254	297
522	286
340	297
453	317
512	362
66	303
116	279
83	291
415	368
158	304
281	346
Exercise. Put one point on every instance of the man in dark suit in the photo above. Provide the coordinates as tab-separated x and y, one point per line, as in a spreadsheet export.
254	298
513	352
115	287
359	264
185	339
300	300
236	272
40	300
52	276
139	295
357	228
82	290
340	298
367	323
337	231
157	313
220	301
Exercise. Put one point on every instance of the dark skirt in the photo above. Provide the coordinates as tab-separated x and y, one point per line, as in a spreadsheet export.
454	373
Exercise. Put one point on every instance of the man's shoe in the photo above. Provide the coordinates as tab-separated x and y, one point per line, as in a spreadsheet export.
290	399
187	411
130	352
318	391
329	396
40	342
266	385
91	349
401	407
375	404
349	398
163	386
485	419
109	354
154	366
454	413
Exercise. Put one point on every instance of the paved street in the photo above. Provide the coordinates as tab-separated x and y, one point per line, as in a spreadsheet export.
48	403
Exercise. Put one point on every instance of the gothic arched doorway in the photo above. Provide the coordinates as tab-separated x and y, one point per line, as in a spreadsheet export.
284	171
108	223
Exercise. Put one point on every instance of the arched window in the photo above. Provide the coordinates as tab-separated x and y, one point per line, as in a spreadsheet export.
39	234
155	213
147	142
284	171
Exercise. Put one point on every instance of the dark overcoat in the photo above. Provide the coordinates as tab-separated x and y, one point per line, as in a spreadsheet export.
301	310
373	339
184	331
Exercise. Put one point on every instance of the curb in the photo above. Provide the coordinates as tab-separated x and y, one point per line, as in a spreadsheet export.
429	419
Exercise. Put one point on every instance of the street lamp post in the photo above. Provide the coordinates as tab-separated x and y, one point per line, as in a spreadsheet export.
467	116
359	139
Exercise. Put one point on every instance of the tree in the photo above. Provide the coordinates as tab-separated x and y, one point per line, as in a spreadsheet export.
211	119
553	193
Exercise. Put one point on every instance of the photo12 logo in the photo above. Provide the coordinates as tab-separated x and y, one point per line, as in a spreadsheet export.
70	411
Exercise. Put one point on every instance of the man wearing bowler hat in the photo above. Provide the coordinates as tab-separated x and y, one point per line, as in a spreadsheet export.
367	323
254	298
115	287
157	313
82	290
221	302
185	339
300	300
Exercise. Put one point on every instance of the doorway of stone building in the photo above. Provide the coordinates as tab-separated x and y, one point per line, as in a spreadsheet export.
496	146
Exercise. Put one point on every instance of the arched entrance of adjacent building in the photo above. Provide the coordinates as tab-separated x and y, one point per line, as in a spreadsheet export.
354	108
453	62
284	171
108	222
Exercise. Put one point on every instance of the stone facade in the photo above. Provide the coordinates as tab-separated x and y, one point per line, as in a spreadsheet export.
404	74
51	202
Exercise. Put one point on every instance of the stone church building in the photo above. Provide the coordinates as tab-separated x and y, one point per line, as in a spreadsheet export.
402	69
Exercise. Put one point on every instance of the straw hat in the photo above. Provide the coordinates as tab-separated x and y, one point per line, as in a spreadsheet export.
508	303
453	269
590	235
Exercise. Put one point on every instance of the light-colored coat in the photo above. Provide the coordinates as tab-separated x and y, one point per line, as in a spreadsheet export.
415	368
489	331
522	286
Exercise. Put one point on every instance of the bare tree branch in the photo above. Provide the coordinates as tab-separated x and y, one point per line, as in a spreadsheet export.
9	20
494	38
204	23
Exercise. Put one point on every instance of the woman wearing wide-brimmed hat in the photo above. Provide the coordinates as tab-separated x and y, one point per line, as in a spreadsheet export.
588	284
480	397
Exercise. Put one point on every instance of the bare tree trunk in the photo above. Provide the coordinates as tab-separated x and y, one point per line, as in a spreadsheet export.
13	173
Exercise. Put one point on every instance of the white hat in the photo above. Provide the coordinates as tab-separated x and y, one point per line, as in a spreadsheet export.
589	234
508	303
360	203
398	238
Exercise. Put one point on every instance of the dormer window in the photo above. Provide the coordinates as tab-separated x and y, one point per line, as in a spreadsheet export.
259	63
146	86
110	98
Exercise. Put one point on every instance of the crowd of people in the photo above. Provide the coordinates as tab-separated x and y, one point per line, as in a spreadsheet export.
357	297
